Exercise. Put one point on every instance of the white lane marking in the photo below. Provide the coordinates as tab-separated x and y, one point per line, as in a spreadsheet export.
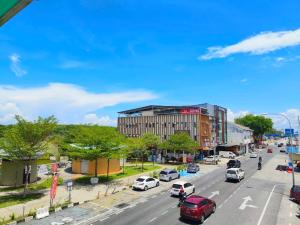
214	193
152	220
291	214
265	207
244	204
163	213
173	207
105	218
220	206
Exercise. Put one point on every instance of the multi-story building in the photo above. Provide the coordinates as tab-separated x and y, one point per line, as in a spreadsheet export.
218	116
239	138
201	122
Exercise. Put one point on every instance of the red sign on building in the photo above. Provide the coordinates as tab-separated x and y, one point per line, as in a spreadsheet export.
190	111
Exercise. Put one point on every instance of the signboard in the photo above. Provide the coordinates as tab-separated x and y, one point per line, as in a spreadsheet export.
289	132
54	186
292	149
42	170
190	111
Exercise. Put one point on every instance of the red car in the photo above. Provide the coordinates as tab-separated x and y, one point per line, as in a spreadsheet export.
270	150
295	193
197	208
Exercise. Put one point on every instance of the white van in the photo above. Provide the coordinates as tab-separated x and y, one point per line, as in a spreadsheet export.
227	154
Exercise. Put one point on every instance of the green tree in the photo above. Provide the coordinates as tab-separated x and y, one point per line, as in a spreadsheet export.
180	141
93	142
137	147
259	124
25	140
151	143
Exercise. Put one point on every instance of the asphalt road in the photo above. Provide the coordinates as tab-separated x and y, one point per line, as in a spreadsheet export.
250	201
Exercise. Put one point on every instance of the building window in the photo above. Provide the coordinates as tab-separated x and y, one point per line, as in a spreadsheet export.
149	125
165	125
173	125
153	125
195	124
165	137
195	137
146	125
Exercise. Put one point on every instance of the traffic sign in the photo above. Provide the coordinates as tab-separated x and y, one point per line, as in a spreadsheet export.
292	149
289	132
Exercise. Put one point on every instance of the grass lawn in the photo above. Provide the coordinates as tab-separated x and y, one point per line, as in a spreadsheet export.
34	186
9	200
129	171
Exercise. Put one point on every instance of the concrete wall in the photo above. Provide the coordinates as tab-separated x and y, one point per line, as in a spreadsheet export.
114	166
12	173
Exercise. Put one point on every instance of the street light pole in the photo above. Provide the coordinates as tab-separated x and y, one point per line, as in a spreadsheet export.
290	141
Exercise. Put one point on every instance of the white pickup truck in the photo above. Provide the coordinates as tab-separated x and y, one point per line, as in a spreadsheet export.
227	154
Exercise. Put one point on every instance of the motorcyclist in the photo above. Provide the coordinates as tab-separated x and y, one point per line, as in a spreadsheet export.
260	159
182	197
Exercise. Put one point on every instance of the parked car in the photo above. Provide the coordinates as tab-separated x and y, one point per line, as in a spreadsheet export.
182	188
227	154
197	208
234	163
192	168
212	158
270	150
145	182
168	175
295	193
282	149
253	155
234	174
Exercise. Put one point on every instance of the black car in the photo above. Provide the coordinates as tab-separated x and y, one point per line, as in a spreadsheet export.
192	168
280	145
234	163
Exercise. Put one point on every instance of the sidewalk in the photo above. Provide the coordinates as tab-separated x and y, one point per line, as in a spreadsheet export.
80	193
288	209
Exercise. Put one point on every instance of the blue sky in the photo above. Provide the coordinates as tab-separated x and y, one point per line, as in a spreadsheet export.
85	60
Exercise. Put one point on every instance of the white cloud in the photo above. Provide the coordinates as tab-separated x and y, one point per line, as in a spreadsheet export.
15	61
259	44
92	118
75	64
244	80
281	123
233	115
69	103
279	59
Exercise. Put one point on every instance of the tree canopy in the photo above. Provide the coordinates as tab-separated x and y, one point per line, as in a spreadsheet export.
26	139
180	141
259	124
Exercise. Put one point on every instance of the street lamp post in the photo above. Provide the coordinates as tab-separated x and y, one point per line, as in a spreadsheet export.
290	141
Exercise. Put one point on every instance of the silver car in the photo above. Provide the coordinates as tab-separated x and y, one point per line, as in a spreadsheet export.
168	174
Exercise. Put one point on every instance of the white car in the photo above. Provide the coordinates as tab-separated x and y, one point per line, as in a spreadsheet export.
182	187
253	155
235	174
145	182
212	158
